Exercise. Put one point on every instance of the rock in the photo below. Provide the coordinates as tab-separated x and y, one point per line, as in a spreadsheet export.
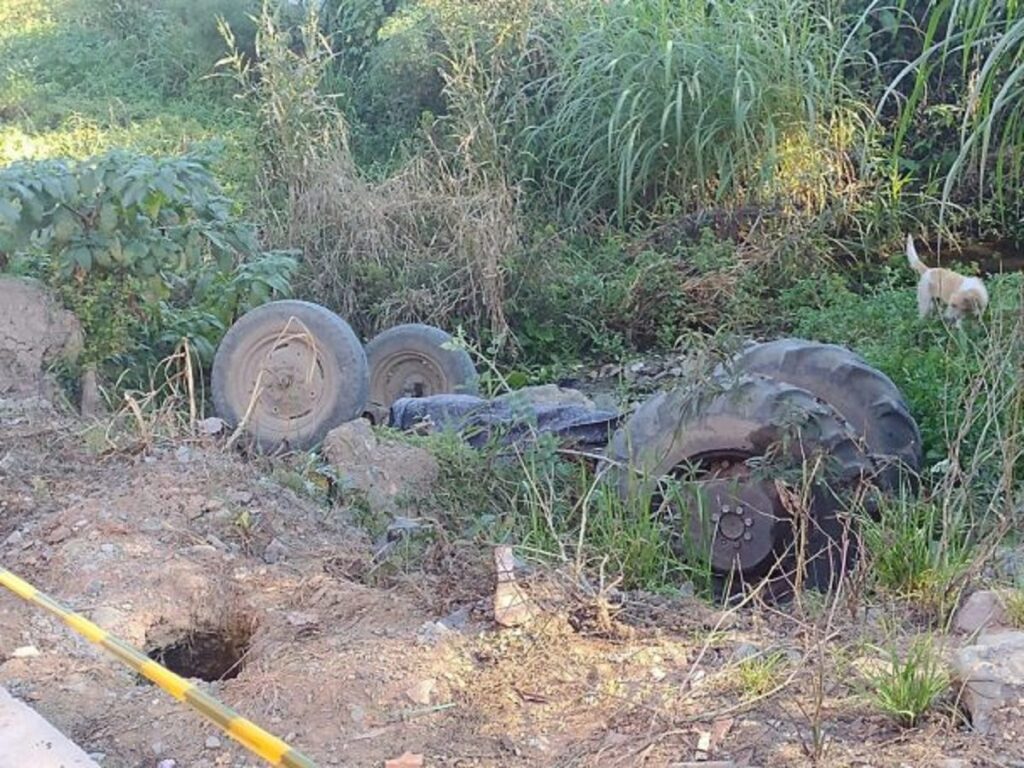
606	402
745	651
15	539
98	757
274	551
37	331
212	742
421	692
25	652
382	469
183	454
58	534
357	714
241	498
981	610
953	762
512	606
456	620
168	762
433	632
545	395
992	675
210	426
406	760
200	550
106	617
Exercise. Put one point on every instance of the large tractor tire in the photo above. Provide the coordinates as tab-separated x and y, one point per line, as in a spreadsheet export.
863	395
290	371
412	361
731	451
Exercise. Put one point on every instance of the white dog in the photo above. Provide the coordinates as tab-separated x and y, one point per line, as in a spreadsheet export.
961	295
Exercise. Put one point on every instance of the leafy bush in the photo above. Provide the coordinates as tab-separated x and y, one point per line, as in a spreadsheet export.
144	250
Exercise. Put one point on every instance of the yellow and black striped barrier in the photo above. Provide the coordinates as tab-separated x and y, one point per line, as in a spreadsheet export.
247	733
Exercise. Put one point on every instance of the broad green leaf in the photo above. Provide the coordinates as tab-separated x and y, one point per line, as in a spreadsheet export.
81	256
9	212
108	218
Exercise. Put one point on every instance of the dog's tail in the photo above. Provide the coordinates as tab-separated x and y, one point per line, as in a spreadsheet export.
915	263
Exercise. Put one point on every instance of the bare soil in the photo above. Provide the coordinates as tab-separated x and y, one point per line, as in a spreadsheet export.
353	669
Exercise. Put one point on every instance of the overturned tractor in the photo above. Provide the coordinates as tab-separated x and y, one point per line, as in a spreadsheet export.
760	470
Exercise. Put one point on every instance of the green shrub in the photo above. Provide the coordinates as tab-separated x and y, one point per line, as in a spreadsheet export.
146	251
177	41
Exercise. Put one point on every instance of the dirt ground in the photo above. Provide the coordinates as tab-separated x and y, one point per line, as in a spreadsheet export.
353	670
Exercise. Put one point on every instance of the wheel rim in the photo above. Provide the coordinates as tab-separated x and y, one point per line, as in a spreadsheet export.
406	374
737	520
294	382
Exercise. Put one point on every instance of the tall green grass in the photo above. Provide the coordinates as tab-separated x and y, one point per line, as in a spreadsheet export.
692	101
980	44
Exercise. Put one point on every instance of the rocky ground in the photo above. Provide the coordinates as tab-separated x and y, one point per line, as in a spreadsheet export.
281	597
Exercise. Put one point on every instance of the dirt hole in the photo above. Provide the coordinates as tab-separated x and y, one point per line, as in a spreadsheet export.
208	653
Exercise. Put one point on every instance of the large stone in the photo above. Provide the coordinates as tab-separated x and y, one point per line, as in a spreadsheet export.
545	395
383	469
35	331
982	610
991	673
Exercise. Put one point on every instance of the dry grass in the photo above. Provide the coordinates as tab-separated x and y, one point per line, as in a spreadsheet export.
170	410
428	244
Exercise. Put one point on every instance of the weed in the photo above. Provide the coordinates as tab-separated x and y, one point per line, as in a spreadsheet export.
917	554
910	683
974	50
1013	603
758	675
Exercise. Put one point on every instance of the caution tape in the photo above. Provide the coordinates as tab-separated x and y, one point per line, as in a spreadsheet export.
247	733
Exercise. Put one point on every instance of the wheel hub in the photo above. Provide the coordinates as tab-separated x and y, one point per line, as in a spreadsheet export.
741	523
409	375
292	381
737	519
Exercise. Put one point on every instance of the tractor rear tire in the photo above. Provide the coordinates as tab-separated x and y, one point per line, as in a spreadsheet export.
863	395
730	450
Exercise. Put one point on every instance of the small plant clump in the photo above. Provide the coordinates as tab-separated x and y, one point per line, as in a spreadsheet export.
760	674
910	683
